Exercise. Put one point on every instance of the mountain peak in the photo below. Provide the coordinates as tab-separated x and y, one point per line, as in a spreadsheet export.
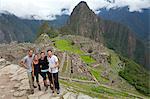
81	6
82	3
83	21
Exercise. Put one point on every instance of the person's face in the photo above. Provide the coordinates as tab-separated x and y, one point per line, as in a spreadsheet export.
36	57
42	55
49	53
30	53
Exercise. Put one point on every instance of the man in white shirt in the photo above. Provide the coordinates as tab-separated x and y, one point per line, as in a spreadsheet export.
53	69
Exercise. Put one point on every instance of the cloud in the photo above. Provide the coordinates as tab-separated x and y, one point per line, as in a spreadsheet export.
47	9
134	5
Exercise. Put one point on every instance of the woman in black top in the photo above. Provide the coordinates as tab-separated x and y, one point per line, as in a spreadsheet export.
43	62
36	69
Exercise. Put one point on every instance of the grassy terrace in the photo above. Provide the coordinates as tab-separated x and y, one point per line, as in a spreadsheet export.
97	74
98	91
65	45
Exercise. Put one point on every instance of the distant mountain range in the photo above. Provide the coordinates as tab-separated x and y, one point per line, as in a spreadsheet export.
139	22
13	28
136	21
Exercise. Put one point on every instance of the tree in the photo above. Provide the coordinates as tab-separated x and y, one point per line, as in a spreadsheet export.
44	28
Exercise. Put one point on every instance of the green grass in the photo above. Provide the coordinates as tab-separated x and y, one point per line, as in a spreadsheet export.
136	75
87	59
80	77
114	60
64	67
97	74
65	45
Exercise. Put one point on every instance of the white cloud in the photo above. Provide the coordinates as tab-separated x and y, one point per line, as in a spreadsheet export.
134	5
47	9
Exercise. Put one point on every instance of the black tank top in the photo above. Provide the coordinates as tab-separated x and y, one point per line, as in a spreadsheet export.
36	68
44	63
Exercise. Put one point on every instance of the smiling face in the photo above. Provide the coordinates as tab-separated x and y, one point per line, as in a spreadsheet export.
42	54
36	57
30	53
49	52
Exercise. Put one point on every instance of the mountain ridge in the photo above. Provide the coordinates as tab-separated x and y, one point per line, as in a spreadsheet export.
137	21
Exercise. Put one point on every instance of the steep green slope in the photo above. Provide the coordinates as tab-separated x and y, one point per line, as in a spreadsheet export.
14	29
123	41
136	75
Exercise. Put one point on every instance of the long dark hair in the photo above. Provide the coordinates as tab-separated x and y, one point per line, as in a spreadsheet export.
34	56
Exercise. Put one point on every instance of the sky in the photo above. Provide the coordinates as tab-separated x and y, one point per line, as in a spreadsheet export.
47	9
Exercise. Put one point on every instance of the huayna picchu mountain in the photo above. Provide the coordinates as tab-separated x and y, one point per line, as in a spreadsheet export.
83	21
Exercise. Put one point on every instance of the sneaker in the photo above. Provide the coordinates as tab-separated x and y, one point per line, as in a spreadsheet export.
58	91
39	87
52	91
34	86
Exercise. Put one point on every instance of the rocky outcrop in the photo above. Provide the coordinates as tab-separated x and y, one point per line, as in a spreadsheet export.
84	22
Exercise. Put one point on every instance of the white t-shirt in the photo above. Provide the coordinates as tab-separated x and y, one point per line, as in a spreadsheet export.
52	60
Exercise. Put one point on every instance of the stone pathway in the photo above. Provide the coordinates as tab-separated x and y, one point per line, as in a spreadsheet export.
14	85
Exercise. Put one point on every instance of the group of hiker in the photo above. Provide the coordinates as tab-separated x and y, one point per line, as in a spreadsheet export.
45	64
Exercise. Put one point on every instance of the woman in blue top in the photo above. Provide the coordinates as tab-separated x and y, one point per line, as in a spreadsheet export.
43	62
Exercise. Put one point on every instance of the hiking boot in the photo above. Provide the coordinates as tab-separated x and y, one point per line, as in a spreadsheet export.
34	86
39	87
57	91
52	91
